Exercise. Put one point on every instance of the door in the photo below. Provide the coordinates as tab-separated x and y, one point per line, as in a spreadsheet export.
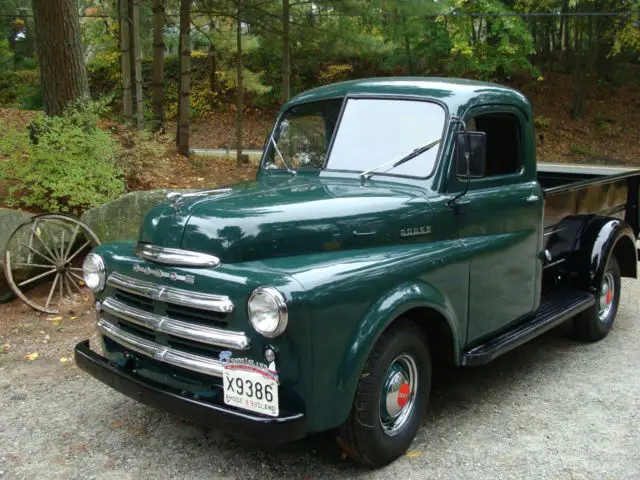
500	223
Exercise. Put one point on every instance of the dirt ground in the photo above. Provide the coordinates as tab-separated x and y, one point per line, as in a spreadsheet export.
553	408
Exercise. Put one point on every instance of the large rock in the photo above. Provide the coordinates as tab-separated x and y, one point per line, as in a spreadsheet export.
9	221
120	219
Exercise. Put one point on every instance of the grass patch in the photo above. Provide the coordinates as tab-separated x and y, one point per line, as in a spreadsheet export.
583	151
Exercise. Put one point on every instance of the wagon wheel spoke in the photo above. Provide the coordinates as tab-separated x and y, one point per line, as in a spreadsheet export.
61	285
84	245
35	265
46	247
53	262
66	284
73	282
62	246
78	277
37	277
53	287
72	241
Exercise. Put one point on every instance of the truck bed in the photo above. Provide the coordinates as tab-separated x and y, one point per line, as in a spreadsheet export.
589	190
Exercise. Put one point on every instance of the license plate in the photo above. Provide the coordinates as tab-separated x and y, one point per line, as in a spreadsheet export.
251	389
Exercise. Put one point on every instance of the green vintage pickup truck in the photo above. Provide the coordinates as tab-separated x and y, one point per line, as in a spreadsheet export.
394	224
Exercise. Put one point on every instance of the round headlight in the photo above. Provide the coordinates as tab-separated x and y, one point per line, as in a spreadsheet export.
268	311
94	272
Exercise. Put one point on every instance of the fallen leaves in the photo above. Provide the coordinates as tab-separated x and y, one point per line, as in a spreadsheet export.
31	356
116	424
414	453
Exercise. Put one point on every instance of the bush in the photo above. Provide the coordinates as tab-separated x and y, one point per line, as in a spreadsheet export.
143	159
21	88
62	164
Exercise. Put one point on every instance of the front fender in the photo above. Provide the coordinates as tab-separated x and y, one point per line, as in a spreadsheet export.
382	313
389	307
599	241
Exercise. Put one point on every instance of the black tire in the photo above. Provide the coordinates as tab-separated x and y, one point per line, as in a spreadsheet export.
362	437
595	323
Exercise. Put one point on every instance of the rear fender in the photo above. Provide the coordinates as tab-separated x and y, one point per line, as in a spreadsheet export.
599	239
388	308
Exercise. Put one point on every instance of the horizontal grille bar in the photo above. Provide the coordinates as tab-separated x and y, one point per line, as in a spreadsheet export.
178	328
204	301
171	356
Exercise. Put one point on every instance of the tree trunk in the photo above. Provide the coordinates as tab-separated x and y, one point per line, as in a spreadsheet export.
567	32
213	66
407	48
157	80
240	91
286	51
63	75
125	65
579	81
185	79
137	62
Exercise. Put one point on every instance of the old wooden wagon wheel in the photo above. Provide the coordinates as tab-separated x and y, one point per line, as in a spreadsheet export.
43	260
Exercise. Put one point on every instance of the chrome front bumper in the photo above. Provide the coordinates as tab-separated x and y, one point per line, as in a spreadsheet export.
289	426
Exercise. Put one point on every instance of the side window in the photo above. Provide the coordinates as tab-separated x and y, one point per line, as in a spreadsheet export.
503	137
303	141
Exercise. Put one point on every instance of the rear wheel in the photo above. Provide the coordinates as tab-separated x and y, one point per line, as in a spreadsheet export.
595	323
391	397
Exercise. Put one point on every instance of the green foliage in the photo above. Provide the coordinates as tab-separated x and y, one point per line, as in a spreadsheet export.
583	151
21	88
541	122
142	159
65	164
6	55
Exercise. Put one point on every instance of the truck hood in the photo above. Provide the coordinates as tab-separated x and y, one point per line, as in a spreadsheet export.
283	216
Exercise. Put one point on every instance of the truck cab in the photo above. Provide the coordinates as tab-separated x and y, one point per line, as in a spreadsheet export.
394	224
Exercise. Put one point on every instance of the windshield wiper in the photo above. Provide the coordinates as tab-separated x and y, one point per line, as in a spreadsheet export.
397	162
284	162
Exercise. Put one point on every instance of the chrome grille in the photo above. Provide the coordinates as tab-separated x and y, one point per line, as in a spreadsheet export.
203	301
171	325
189	361
178	328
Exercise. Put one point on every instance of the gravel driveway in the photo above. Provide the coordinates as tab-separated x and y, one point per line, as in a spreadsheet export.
551	409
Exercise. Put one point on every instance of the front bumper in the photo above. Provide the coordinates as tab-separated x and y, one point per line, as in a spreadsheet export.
253	427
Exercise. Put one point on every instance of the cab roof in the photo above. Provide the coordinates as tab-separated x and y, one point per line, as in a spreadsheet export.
458	94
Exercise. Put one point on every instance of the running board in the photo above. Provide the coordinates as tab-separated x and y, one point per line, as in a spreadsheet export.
555	308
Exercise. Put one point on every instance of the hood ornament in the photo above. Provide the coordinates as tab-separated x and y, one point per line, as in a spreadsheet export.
175	197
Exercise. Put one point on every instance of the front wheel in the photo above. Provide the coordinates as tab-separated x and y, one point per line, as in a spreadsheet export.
391	397
595	323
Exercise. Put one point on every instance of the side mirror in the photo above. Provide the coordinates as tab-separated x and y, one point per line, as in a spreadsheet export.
475	144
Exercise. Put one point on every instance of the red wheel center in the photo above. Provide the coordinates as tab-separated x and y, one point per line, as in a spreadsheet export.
609	297
403	395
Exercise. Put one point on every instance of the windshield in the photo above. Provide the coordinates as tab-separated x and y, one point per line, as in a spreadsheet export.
303	135
371	133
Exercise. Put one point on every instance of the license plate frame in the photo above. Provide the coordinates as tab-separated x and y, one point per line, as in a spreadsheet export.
240	389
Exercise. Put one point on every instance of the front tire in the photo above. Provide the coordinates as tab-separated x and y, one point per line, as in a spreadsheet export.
595	323
391	397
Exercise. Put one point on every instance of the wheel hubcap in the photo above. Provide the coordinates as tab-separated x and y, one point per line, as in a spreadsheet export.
605	302
397	398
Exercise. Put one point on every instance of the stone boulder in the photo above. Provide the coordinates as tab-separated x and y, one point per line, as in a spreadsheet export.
9	221
120	219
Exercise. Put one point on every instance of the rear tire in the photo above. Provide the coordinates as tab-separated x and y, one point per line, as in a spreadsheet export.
595	323
391	397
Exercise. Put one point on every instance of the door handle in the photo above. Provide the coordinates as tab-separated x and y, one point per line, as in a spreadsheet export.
533	198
